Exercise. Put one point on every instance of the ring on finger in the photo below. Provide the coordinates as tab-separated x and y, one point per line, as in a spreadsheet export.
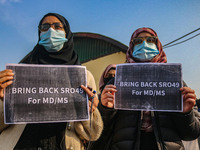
90	98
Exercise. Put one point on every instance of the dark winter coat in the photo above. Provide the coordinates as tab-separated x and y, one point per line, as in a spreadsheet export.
122	129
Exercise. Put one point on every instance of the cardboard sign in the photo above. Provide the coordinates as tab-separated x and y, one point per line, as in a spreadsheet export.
149	86
46	93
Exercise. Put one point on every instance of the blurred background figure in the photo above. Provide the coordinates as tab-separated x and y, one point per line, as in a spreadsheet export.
107	75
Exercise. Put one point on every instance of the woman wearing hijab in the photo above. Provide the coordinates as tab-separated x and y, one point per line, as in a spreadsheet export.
137	130
107	75
55	46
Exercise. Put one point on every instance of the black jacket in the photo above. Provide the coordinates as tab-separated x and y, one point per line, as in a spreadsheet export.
122	129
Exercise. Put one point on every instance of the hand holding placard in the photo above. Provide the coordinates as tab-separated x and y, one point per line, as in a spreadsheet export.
90	94
107	96
6	77
189	99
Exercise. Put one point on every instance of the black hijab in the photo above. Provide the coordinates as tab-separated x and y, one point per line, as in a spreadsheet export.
66	56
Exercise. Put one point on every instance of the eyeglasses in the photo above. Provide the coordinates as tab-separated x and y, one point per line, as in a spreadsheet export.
148	39
46	26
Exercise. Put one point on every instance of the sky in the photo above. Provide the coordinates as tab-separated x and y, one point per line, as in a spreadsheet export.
117	19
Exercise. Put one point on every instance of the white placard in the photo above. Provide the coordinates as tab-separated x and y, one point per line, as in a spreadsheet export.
46	93
149	86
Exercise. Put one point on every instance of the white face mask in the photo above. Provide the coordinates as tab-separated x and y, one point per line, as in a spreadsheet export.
145	51
53	40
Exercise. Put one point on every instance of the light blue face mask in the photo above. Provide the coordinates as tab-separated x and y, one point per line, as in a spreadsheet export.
52	40
145	51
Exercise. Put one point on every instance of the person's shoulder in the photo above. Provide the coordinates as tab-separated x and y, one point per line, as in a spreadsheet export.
91	80
89	74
